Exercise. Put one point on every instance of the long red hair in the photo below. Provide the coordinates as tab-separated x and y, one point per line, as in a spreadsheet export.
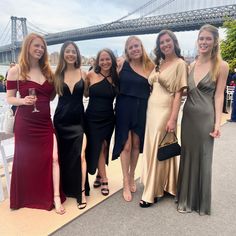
24	59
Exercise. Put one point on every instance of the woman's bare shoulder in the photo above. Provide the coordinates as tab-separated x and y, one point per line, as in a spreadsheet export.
83	74
224	65
13	73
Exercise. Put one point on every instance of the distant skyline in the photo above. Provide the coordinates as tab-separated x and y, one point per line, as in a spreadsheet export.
55	15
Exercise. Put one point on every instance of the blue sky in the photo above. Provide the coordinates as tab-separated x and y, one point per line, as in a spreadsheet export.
55	15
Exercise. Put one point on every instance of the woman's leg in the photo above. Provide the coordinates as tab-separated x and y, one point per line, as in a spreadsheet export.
56	179
125	165
83	168
134	160
102	168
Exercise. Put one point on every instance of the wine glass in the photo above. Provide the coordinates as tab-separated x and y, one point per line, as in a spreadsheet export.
32	92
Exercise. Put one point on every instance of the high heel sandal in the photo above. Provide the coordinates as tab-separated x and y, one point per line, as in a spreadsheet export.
145	204
82	205
58	209
97	182
105	189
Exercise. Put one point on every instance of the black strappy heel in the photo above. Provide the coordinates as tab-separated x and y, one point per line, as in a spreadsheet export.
105	191
82	205
97	182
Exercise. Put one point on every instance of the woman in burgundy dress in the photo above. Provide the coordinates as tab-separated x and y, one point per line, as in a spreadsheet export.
35	174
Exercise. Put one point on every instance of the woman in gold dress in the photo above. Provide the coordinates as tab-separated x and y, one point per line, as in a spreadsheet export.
168	80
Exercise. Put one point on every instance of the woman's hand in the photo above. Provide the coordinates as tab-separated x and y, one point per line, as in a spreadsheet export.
29	100
170	126
216	132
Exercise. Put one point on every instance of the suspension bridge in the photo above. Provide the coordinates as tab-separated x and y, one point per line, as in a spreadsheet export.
151	17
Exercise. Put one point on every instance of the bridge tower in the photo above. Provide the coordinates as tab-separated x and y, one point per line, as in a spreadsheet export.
15	33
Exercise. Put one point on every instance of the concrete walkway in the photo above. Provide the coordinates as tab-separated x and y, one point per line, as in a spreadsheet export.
116	217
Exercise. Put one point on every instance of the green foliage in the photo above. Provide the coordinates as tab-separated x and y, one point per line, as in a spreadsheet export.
1	77
228	46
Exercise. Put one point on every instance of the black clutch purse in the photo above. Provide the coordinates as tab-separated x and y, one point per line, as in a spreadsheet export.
168	150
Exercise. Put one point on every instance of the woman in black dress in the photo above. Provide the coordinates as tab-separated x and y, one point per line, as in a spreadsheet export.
69	123
100	119
131	105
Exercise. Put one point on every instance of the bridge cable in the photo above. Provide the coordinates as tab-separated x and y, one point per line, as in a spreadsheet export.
33	30
7	36
136	10
2	33
159	7
36	28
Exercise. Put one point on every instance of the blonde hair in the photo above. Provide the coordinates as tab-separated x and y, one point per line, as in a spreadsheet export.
146	61
24	59
61	66
215	53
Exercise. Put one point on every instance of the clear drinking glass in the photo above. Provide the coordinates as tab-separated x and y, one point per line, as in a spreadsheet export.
32	92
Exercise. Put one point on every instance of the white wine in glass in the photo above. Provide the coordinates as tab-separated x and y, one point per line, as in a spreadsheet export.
32	92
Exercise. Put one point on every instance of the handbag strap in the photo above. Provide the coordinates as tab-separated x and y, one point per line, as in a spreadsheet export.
166	135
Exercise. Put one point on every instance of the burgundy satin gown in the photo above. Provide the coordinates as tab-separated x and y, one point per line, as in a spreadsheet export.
32	180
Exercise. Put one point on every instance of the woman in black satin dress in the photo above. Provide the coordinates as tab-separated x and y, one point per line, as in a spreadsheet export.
69	123
100	119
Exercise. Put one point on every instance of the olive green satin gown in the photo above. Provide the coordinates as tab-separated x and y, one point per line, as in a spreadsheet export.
194	182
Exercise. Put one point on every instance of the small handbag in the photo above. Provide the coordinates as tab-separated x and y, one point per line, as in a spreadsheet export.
9	116
168	150
8	122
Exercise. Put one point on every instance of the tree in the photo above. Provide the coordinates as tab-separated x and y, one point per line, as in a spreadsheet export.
228	46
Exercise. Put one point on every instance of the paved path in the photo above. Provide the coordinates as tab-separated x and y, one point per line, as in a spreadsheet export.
116	217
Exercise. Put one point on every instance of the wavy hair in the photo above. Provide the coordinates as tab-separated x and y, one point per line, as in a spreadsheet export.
62	65
113	69
146	61
215	53
24	58
157	51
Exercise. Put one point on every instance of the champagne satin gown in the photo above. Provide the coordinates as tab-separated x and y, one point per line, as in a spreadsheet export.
161	176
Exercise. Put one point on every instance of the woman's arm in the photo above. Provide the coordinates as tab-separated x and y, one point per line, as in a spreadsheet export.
171	124
13	75
219	97
120	62
87	83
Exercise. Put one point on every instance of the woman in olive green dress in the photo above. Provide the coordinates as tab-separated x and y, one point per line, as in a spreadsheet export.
201	123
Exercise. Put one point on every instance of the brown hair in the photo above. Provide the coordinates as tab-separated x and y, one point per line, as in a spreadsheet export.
61	67
146	61
215	53
157	50
24	60
113	69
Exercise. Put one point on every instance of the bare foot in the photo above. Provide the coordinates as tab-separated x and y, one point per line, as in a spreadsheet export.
58	206
132	185
126	192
